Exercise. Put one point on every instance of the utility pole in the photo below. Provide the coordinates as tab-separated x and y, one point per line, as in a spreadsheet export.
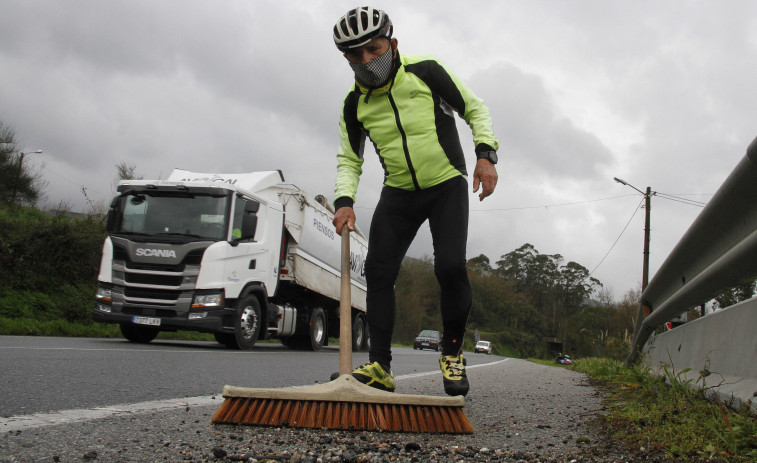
648	207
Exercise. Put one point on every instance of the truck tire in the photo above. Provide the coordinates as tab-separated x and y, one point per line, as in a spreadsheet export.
317	329
139	334
246	323
358	333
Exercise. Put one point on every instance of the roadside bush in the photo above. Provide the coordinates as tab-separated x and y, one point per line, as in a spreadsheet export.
48	265
40	252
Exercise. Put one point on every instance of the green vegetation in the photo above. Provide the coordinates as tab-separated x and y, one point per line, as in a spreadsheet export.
48	270
34	327
49	266
647	412
522	301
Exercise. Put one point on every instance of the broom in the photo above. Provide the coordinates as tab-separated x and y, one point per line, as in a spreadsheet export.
344	403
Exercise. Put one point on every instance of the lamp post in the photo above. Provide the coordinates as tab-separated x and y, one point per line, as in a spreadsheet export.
19	171
647	206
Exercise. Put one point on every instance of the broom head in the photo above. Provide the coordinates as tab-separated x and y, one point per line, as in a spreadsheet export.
345	404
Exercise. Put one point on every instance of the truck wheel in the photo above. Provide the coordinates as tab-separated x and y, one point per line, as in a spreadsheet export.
358	333
246	323
140	334
317	329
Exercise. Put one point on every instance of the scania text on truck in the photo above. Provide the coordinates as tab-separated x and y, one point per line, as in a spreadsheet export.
246	257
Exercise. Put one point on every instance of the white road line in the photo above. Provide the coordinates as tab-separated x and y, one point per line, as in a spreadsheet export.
436	372
22	422
19	423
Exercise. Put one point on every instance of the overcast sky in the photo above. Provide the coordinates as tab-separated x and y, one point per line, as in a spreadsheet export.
658	93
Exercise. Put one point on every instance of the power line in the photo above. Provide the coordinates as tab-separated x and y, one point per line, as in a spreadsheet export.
636	209
551	205
669	197
678	199
546	206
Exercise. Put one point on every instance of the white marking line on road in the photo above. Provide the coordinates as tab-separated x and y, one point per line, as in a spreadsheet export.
19	423
436	372
22	422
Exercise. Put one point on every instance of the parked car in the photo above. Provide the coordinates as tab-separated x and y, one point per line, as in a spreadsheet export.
428	339
484	347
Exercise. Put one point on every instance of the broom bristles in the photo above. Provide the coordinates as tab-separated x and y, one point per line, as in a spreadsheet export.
342	404
353	416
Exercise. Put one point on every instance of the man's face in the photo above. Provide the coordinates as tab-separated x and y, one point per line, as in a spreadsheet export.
369	51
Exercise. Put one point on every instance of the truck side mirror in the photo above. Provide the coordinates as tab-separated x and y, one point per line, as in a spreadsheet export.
249	225
111	221
252	207
249	221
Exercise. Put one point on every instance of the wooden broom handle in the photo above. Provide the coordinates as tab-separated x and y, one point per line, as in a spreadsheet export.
345	308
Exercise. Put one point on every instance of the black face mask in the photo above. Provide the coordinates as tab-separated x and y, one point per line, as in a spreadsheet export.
374	73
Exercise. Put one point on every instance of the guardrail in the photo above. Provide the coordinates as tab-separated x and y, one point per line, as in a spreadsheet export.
718	252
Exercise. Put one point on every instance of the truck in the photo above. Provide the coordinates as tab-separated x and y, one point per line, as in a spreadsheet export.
246	257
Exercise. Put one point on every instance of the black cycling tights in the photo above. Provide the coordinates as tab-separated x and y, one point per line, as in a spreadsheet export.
399	214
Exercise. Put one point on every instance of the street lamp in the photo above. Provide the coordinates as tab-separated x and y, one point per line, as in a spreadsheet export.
647	206
18	172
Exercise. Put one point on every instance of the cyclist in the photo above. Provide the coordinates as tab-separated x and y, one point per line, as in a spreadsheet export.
405	105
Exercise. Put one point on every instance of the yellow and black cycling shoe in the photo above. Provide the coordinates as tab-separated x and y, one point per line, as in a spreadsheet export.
453	373
373	375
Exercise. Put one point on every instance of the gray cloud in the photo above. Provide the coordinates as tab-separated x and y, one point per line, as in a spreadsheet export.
656	93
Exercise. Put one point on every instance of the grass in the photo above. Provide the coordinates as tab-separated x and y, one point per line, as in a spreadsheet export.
647	412
33	327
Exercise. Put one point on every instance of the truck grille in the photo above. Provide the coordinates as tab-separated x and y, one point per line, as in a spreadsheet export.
193	257
153	279
154	289
150	293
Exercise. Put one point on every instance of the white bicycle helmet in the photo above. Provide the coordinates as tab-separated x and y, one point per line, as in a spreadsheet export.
361	25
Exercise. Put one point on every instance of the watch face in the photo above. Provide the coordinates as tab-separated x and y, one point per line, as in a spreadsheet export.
490	155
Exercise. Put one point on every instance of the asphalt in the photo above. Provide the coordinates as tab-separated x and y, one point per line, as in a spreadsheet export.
520	411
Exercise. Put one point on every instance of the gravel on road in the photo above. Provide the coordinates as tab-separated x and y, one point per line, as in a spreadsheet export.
521	411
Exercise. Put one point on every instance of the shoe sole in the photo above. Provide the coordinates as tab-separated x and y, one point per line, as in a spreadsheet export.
455	388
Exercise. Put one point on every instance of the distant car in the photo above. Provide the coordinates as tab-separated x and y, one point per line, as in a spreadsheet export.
428	339
484	347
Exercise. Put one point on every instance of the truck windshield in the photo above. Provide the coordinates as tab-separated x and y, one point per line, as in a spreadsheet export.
188	215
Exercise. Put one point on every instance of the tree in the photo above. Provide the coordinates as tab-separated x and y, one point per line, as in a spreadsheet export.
736	294
480	264
20	184
417	299
126	171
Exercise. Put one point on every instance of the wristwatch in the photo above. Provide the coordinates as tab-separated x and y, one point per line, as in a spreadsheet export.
490	156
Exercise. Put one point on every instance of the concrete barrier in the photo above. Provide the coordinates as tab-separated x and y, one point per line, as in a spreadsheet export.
723	343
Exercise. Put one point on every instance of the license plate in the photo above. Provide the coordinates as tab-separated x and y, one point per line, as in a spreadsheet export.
425	344
146	321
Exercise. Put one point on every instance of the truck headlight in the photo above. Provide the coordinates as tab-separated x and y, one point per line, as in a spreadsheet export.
207	300
104	294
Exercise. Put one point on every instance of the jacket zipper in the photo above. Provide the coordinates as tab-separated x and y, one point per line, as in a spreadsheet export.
404	141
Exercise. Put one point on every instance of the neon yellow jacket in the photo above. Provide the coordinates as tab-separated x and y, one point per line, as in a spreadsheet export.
412	127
